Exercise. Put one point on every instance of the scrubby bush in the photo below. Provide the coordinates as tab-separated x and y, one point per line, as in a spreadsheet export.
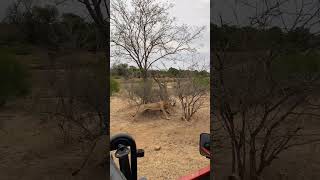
297	66
21	49
191	92
201	81
139	91
13	78
114	86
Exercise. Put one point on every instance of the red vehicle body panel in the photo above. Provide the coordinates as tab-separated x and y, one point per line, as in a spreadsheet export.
201	173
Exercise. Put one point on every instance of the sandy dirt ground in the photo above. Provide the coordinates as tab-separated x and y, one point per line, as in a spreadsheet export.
179	154
31	148
296	163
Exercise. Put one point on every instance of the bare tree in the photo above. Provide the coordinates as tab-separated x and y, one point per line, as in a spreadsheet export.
100	14
75	29
35	23
261	122
191	92
78	108
191	98
143	32
262	114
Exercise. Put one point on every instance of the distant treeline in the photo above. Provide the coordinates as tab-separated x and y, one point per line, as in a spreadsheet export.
45	26
292	53
126	71
249	38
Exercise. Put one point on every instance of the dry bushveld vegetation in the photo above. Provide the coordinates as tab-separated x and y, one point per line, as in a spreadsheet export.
265	89
163	140
51	133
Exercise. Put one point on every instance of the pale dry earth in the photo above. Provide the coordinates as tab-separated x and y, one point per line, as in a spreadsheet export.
31	148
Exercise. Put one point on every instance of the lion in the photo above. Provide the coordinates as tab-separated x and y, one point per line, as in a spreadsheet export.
162	105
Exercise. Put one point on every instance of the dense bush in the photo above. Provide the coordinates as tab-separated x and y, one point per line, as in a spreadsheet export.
16	48
126	71
297	66
201	81
140	90
114	86
13	78
21	49
145	91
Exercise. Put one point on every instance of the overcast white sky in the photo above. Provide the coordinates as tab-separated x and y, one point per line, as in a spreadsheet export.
193	13
196	13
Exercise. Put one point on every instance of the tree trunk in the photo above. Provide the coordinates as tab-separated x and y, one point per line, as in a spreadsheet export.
233	158
240	167
145	99
104	33
252	159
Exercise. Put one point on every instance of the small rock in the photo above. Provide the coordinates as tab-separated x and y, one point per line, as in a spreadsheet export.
157	148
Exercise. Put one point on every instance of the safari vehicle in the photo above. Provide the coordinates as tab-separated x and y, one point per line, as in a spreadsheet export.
127	154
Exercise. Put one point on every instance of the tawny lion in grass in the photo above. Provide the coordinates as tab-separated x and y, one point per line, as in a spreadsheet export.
163	106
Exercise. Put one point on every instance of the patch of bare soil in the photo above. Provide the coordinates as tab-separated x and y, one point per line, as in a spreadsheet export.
31	148
178	140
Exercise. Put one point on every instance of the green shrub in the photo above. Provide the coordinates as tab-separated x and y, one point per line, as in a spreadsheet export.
202	81
297	65
114	86
140	91
116	77
13	78
16	48
22	49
